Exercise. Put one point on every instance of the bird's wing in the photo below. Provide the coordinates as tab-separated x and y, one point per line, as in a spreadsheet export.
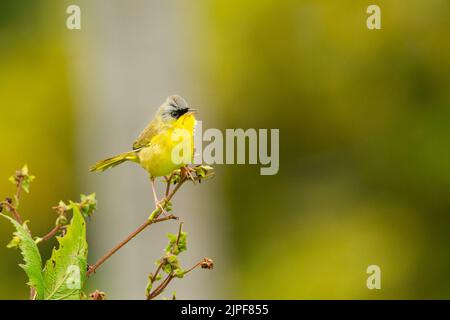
144	139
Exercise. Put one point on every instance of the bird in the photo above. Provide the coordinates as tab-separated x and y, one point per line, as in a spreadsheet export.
165	145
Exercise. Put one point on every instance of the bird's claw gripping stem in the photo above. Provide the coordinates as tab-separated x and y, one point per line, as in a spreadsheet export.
160	205
186	173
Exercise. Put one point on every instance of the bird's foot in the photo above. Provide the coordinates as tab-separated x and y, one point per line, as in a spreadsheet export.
186	173
160	206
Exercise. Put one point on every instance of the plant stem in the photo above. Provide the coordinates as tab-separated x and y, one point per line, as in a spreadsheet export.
18	218
32	294
167	280
158	269
153	218
193	267
13	210
178	238
168	184
156	213
161	287
127	239
52	233
18	191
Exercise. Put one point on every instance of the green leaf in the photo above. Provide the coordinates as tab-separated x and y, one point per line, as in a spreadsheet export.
65	271
31	256
171	263
203	171
12	179
172	247
24	170
149	286
88	204
26	178
179	273
14	243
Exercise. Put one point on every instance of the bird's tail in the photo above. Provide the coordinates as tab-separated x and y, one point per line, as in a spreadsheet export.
114	161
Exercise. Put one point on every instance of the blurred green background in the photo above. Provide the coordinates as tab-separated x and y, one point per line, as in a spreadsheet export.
364	134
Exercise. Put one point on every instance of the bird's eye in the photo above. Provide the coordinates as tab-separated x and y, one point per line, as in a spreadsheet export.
178	112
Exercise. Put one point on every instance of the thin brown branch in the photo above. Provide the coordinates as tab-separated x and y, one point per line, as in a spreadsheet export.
93	268
166	281
8	203
52	233
11	208
169	278
18	218
178	237
198	264
168	184
158	269
32	294
153	218
18	189
205	263
161	287
157	212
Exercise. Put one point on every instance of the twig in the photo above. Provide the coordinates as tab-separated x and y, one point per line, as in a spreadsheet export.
161	287
168	184
32	293
178	237
18	218
127	239
11	208
52	233
198	264
158	269
169	278
8	202
18	189
157	212
153	218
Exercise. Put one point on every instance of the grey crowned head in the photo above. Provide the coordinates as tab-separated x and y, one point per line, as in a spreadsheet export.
174	107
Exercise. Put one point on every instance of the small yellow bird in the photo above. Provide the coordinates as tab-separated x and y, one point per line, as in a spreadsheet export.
156	148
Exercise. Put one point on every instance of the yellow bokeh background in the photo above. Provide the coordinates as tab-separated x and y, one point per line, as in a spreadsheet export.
364	135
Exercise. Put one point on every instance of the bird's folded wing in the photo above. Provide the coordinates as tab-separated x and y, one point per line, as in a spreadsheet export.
144	139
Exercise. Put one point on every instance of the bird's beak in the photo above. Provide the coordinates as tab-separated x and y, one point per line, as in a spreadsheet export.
192	111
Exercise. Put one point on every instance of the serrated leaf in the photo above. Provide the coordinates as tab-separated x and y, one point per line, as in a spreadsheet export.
32	258
65	271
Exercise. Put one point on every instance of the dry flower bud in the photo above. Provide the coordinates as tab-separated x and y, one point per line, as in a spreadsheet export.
97	295
207	263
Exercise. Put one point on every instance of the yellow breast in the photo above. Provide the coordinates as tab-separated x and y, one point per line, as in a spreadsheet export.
171	149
